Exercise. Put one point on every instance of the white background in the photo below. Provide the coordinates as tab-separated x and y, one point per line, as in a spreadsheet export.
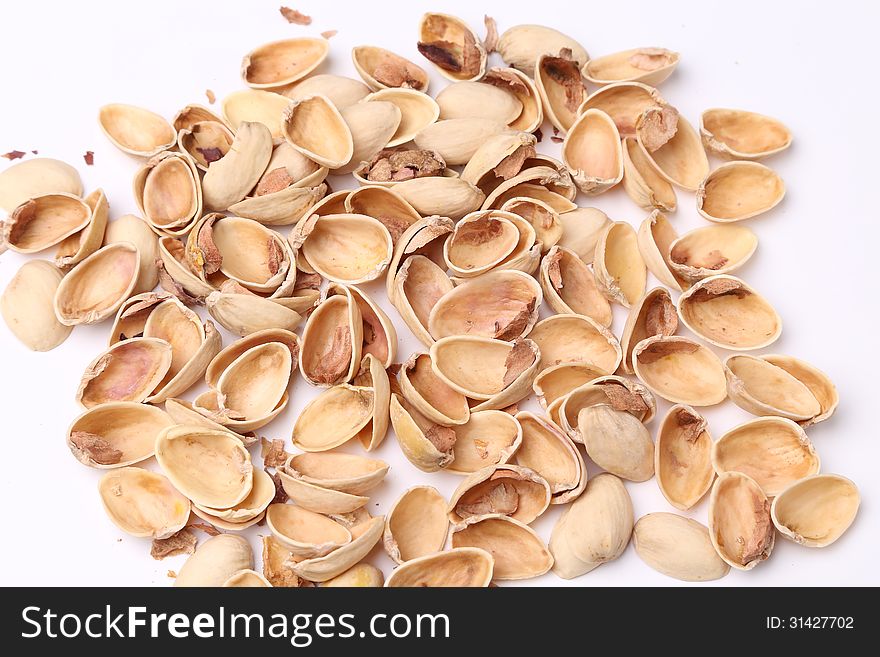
810	64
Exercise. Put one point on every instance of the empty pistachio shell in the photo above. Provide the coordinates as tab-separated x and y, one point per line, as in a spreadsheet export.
211	468
44	221
315	128
347	473
244	314
739	190
416	524
618	265
480	242
348	248
521	45
456	140
253	385
342	91
305	533
576	339
215	561
168	193
820	385
384	204
131	228
74	248
372	125
453	47
332	342
710	250
510	490
205	142
655	237
642	182
192	114
211	404
284	62
741	135
555	382
739	521
624	102
459	567
683	457
592	152
230	178
726	312
680	370
418	286
26	306
499	158
258	106
431	395
495	372
425	444
522	87
143	503
250	508
648	65
116	434
333	418
246	578
555	179
542	217
184	412
364	537
383	69
132	316
773	451
559	83
595	529
361	575
175	274
97	286
672	146
678	547
762	388
550	453
135	130
817	510
438	195
654	314
127	371
423	237
570	287
472	100
487	438
318	499
37	177
621	394
582	228
617	442
518	551
417	111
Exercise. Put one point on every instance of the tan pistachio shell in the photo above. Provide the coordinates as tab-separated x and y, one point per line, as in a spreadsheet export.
594	529
37	177
231	352
677	547
620	393
473	100
254	384
132	316
430	394
116	434
27	307
521	45
647	65
556	202
680	370
735	134
215	561
440	195
644	185
683	457
194	113
425	237
739	190
315	128
168	193
526	253
211	404
562	90
347	473
624	102
301	172
480	242
184	412
280	63
576	339
570	287
360	575
77	247
493	372
550	453
521	86
305	533
373	375
499	158
131	228
253	506
456	140
243	314
458	567
555	179
342	91
143	503
332	342
176	275
723	310
385	205
671	145
229	179
246	578
555	382
418	286
710	250
655	238
364	537
379	334
486	439
226	525
205	142
618	265
417	111
509	490
383	69
318	499
416	524
127	371
518	551
135	130
763	389
333	418
654	314
258	106
44	221
541	216
773	451
739	521
372	125
348	248
816	511
817	381
452	46
617	442
425	444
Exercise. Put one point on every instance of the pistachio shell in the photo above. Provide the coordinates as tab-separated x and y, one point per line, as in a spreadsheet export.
710	250
430	394
372	375
205	142
618	265
817	510
44	221
644	185
425	237
418	286
426	445
554	179
680	370
340	90
480	242
244	314
518	551
305	533
473	100
116	434
253	506
416	524
27	309
499	158
255	382
168	193
550	453
372	125
364	538
562	91
246	578
79	246
143	503
331	342
523	88
624	102
654	314
581	229
215	561
333	418
211	404
452	46
620	393
132	316
131	228
184	412
773	451
284	62
437	195
127	371
456	140
817	381
258	106
194	113
347	473
318	499
655	238
385	205
762	388
726	312
678	547
361	575
557	202
543	218
487	438
741	135
176	274
679	157
570	287
521	45
555	382
617	442
348	248
576	339
510	490
595	529
315	128
459	567
230	178
417	111
383	69
647	65
682	459
739	190
35	177
739	521
135	130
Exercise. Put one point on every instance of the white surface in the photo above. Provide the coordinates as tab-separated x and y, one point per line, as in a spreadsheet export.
807	64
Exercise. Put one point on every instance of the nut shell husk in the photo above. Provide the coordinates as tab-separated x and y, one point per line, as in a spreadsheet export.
550	453
677	547
143	503
44	221
215	561
680	370
817	510
281	63
741	135
570	287
576	339
511	490
488	438
135	130
27	309
711	250
364	538
37	177
458	567
739	190
654	314
647	65
618	265
452	46
521	45
416	524
739	521
518	551
679	158
683	457
383	69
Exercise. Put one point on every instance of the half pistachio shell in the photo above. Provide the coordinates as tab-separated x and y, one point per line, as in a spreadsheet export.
680	370
672	146
550	453
456	140
431	395
518	551
254	384
817	381
500	158
27	308
258	106
136	130
473	100
229	179
383	69
618	265
677	547
333	418
521	45
361	575
644	185
440	195
143	503
425	444
480	242
576	339
555	382
655	238
452	46
127	371
215	561
739	521
592	152
131	228
617	392
424	237
372	125
168	193
459	567
246	578
45	221
542	217
253	506
342	91
280	63
617	442
305	533
739	190
647	65
741	135
817	510
315	128
332	342
417	111
509	490
562	90
416	524
318	499
205	142
384	204
683	457
523	88
37	177
77	247
418	286
654	314
347	473
486	439
348	248
364	537
710	250
763	388
773	451
570	287
243	314
726	312
624	102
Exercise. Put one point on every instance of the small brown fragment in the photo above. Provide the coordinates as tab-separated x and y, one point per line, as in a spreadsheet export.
622	399
210	96
183	542
89	157
517	324
502	498
692	425
539	135
274	257
482	448
756	543
554	271
210	154
94	448
274	181
520	358
503	79
566	72
658	125
335	361
490	43
661	317
660	350
294	16
306	281
719	288
171	574
15	155
210	530
443	438
512	164
480	231
211	255
393	165
397	72
272	452
280	494
440	53
328	34
394	369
